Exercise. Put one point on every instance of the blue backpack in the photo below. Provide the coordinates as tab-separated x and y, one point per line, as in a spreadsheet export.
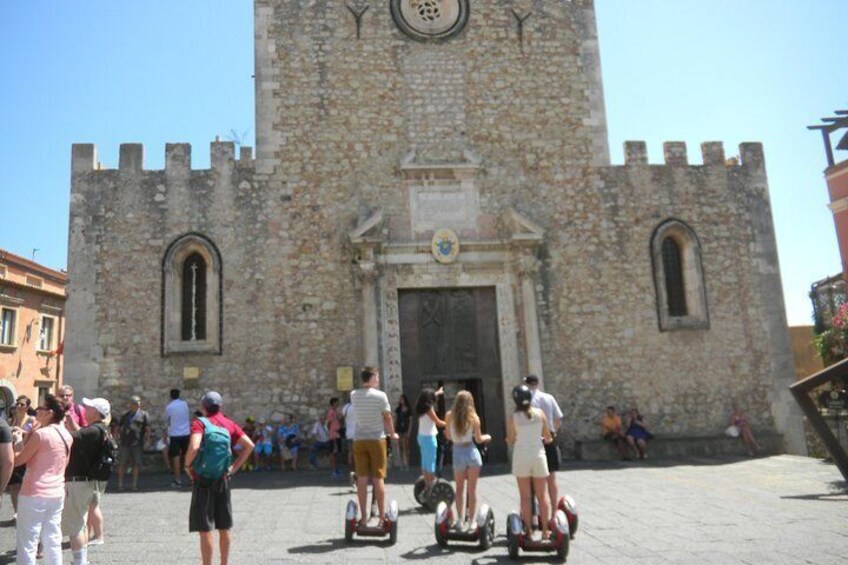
215	455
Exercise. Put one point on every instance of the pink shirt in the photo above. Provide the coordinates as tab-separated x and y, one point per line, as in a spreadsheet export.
77	413
333	423
45	471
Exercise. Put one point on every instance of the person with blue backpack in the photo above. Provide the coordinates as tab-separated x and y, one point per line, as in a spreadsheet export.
209	463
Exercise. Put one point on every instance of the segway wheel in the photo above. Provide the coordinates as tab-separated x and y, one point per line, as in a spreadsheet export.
348	531
441	537
442	491
562	548
512	546
487	531
418	491
393	533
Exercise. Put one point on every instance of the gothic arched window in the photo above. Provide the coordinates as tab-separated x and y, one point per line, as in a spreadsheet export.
191	275
678	277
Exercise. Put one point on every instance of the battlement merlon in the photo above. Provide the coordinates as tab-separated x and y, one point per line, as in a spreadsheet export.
177	158
712	152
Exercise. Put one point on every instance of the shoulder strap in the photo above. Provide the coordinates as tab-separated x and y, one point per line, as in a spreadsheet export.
67	447
104	431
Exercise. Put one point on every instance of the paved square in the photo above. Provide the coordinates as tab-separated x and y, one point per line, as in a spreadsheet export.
774	510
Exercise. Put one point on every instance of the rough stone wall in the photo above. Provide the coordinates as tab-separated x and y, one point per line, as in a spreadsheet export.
598	308
336	117
274	354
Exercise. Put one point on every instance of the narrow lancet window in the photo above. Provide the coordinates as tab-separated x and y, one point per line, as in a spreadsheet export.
672	265
194	298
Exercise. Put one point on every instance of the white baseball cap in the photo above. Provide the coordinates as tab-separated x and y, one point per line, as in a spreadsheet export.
100	404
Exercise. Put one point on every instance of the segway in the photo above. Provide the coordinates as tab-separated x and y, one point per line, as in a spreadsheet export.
375	511
563	528
484	533
389	528
441	490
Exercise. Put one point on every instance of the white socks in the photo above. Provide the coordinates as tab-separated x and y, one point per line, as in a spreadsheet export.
80	556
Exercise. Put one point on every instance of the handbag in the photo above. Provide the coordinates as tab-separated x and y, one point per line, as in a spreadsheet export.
732	431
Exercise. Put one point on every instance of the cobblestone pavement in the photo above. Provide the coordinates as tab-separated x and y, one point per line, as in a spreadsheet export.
773	510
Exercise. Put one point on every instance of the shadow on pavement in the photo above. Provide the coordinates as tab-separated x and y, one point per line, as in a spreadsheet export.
463	548
838	492
416	510
330	545
325	546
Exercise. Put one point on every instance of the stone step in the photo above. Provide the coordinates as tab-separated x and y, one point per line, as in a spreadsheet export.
682	447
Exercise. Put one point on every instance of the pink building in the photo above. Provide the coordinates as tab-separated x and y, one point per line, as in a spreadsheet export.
836	176
32	327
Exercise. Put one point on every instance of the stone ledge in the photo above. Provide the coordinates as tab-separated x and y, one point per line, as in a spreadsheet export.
152	462
681	447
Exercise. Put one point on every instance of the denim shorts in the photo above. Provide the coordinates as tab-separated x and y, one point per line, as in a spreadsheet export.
465	456
428	453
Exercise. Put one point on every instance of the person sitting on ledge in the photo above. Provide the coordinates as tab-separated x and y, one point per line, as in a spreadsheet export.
638	434
739	420
612	432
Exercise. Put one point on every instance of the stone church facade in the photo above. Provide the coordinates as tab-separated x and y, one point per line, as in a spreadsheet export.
432	193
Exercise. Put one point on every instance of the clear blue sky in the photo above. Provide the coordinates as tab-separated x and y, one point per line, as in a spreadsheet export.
109	72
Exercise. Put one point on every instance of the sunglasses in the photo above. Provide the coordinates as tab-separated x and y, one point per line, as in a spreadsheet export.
21	404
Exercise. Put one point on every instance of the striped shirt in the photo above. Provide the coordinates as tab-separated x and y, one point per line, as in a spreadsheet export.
369	404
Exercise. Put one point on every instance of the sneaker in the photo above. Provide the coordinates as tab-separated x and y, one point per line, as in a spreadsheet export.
176	484
472	527
95	541
312	467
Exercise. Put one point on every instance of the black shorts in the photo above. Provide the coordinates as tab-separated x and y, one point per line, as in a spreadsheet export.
210	506
552	456
336	445
17	475
177	446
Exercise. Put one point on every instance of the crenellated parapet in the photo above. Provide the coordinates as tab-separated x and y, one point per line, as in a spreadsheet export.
177	158
712	154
